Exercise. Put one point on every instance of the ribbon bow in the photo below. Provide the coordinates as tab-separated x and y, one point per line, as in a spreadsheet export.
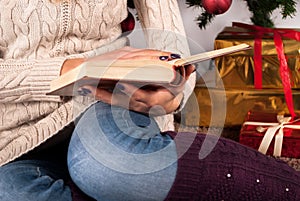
278	34
273	129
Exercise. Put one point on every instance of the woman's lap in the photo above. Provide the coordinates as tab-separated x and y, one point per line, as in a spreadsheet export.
121	155
115	154
136	161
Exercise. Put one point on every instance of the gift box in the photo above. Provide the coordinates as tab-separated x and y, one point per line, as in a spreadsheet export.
219	107
260	65
271	134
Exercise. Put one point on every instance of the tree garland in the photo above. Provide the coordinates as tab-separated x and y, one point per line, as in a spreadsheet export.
261	11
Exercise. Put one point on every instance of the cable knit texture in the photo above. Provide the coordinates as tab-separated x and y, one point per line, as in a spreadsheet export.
36	37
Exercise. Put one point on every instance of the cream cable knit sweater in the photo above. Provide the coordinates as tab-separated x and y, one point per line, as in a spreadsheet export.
36	36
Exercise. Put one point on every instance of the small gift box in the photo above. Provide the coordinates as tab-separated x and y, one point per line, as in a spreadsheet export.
272	134
262	66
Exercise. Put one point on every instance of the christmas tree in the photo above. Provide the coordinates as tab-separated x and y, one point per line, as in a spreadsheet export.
261	10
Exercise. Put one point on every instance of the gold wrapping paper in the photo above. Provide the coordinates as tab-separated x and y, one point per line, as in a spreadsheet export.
237	70
198	110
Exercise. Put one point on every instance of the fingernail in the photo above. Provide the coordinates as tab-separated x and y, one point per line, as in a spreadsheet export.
163	58
83	91
175	56
120	86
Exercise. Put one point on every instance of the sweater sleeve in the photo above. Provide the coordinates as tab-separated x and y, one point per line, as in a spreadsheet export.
163	27
28	80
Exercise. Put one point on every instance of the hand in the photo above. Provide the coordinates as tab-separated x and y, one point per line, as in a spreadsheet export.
121	54
156	101
149	101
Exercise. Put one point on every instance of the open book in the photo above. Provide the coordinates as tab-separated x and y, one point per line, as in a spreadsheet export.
140	72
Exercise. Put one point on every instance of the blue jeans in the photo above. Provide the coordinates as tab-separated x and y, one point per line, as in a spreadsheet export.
116	154
29	180
113	154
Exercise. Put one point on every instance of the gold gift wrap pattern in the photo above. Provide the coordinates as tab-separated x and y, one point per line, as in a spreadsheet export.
237	70
239	102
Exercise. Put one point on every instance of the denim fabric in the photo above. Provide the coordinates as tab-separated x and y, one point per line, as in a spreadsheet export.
116	154
32	180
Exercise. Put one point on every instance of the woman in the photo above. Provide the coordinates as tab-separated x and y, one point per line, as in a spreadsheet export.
114	153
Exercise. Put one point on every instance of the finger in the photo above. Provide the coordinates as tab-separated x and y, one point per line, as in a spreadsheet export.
189	69
147	94
119	99
99	94
147	106
135	53
162	57
159	101
146	52
182	74
112	98
171	105
132	91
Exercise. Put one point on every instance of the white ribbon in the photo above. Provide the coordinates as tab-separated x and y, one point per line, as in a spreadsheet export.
273	129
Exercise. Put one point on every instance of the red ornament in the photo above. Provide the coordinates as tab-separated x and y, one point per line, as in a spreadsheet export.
128	24
216	7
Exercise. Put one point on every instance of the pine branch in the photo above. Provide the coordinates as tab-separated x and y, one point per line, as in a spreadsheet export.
204	19
263	9
288	8
194	3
